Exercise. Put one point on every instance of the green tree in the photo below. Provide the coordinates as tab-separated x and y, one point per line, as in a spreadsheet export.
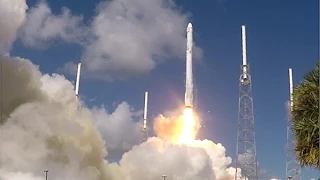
305	115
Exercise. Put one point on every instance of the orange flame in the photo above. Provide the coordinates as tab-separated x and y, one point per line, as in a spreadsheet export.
178	130
189	128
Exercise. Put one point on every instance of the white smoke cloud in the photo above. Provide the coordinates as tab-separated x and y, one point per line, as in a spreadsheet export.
42	26
12	14
144	32
118	129
43	126
248	157
155	158
18	176
47	129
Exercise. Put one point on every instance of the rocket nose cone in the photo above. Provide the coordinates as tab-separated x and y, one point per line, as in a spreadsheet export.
189	25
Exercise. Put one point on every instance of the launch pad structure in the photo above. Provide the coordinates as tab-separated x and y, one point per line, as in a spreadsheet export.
144	128
293	167
246	159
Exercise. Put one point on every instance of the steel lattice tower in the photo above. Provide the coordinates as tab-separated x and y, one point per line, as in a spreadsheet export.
293	167
246	161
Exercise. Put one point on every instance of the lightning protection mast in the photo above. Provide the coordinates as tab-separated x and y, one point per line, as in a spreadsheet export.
144	128
246	161
78	80
293	168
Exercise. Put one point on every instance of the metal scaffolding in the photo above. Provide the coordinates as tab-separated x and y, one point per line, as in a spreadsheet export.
246	160
246	148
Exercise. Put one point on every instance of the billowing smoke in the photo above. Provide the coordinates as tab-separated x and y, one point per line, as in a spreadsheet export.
169	129
42	127
45	128
13	14
115	127
148	31
42	26
118	26
42	124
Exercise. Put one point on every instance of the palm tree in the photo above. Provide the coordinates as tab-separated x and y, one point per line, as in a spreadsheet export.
305	115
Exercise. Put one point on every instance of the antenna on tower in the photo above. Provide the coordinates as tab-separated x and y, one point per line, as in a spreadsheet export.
246	146
293	168
144	129
78	80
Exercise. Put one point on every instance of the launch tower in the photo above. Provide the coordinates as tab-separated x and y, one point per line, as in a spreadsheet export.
246	161
293	167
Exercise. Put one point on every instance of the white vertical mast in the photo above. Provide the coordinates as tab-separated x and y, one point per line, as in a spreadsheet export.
291	89
244	52
78	80
145	111
293	167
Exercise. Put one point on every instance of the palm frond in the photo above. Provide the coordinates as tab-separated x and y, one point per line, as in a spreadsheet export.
305	116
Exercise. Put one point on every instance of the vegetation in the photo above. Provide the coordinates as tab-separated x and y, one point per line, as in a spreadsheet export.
305	117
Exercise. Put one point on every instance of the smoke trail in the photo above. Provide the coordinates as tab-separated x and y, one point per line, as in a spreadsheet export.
169	129
19	84
44	129
13	15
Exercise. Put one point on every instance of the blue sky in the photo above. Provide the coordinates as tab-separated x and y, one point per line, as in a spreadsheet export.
280	35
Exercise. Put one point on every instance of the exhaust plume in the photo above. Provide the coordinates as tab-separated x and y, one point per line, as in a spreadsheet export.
45	128
42	128
13	15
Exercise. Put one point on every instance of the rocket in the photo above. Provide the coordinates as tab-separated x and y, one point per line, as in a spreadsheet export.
244	54
189	76
144	126
78	80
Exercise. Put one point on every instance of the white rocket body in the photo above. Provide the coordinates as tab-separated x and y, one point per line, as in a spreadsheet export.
244	53
78	80
189	76
291	89
144	127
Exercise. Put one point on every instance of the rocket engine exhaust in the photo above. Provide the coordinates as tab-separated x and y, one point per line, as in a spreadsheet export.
78	80
145	113
189	76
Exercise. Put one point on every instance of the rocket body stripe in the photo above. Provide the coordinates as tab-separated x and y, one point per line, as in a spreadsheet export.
189	75
78	79
145	111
